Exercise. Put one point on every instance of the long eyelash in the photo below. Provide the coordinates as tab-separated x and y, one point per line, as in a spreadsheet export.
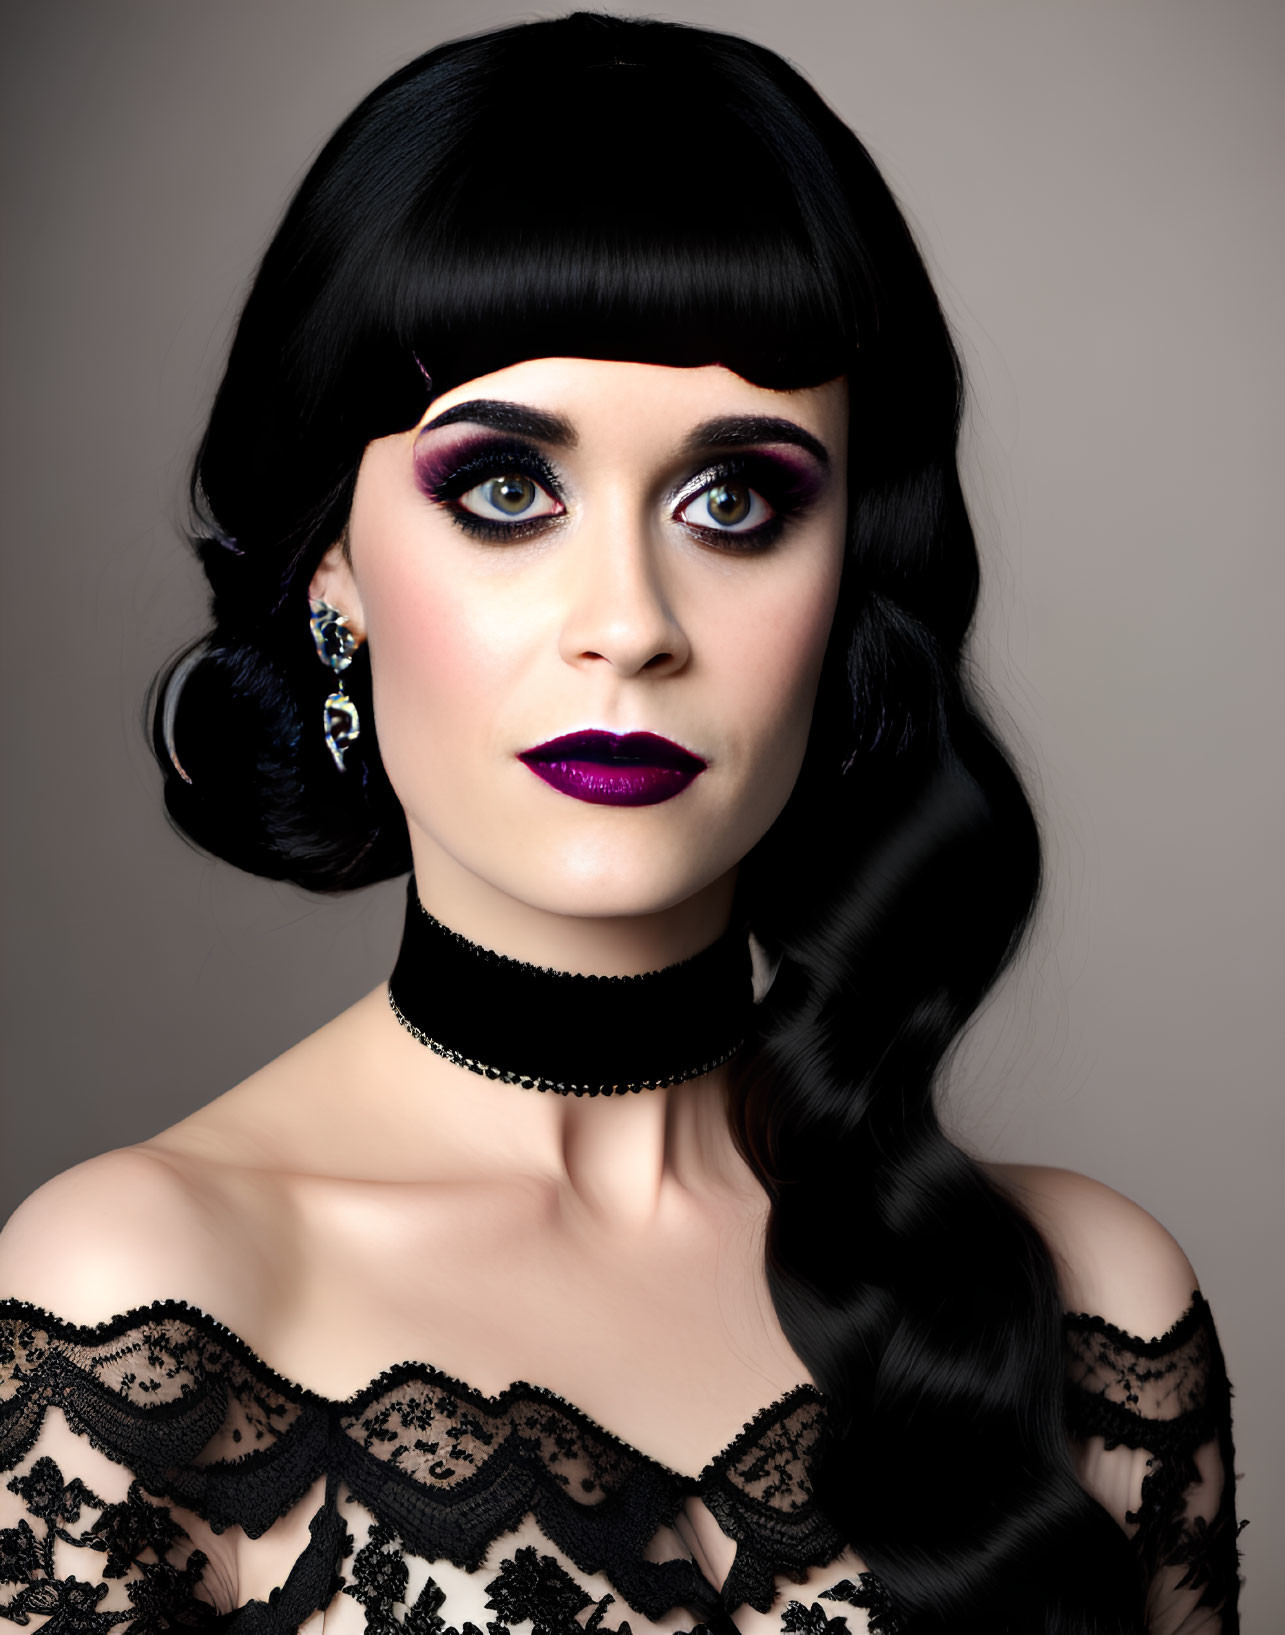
788	492
493	459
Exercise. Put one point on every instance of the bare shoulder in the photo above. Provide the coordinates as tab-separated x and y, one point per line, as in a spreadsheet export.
1114	1259
117	1231
200	1211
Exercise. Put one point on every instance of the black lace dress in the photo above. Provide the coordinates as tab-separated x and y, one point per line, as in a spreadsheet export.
154	1472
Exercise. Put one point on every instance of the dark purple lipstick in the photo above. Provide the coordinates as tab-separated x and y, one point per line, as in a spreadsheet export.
614	769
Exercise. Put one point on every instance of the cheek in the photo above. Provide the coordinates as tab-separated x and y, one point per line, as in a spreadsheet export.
418	647
435	678
434	657
777	660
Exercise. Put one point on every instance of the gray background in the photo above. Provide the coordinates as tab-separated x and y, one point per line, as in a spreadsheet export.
1095	185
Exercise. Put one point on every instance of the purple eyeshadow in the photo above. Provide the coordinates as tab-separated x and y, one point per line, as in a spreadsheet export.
436	463
789	481
798	477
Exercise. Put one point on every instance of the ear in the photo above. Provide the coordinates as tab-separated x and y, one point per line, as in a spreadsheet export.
333	582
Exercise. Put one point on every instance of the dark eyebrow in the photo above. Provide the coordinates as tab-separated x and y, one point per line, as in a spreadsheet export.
727	431
513	417
734	431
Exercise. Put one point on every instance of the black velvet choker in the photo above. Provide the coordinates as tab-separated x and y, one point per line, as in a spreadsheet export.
554	1030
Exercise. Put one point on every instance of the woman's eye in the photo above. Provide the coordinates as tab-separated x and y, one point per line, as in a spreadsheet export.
728	507
509	497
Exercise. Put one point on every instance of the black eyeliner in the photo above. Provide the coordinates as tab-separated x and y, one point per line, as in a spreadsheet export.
443	474
789	486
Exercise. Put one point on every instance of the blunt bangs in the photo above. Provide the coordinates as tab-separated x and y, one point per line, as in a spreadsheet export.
588	186
567	204
639	226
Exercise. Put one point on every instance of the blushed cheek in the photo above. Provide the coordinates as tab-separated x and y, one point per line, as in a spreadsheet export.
788	664
429	670
428	655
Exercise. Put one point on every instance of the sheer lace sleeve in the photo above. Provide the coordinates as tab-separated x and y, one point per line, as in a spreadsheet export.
87	1543
1150	1422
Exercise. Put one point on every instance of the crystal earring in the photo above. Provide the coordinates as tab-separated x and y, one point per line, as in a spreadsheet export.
335	645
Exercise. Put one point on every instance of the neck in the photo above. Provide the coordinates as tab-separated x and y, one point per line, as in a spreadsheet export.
606	1161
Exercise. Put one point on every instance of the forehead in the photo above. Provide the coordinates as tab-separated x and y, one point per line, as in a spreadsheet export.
606	400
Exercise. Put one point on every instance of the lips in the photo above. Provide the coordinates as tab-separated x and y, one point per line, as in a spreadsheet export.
614	769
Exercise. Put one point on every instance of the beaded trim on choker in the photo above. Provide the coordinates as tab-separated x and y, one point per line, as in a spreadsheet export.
527	1082
542	1029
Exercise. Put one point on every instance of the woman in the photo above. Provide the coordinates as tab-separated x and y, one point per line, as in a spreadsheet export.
581	511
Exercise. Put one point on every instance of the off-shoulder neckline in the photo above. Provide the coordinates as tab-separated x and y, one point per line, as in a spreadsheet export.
111	1328
1195	1316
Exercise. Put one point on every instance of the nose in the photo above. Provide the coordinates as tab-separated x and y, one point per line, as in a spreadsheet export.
617	609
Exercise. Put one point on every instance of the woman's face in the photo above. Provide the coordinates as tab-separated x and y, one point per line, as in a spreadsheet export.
575	546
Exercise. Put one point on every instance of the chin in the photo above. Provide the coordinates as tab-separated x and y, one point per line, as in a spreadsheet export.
618	894
607	881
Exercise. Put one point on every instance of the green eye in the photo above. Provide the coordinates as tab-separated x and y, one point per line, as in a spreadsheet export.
727	506
510	495
729	503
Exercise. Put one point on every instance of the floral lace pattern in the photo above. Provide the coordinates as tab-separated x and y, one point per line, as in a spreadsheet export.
161	1595
1169	1400
144	1460
424	1477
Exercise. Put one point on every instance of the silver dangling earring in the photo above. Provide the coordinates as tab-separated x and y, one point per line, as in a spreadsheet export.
335	645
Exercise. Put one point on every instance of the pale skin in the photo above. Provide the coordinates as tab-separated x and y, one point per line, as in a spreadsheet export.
359	1200
617	617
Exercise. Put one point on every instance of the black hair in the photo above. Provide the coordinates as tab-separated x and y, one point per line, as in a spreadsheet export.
607	187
